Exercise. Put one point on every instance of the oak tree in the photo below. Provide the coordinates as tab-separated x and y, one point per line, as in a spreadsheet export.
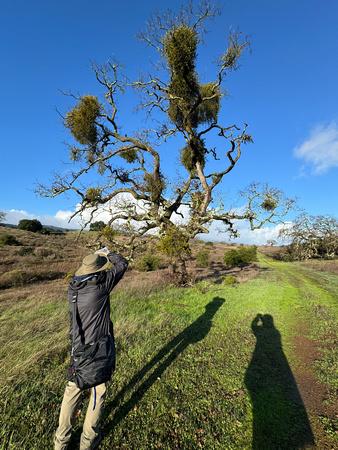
33	225
182	111
312	237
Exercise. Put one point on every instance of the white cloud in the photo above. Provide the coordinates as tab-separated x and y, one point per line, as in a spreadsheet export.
321	149
246	235
61	218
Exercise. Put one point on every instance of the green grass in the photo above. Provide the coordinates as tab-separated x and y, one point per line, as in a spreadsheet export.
193	370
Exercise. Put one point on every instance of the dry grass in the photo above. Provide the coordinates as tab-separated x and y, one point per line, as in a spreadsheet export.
47	258
317	264
39	258
154	389
325	266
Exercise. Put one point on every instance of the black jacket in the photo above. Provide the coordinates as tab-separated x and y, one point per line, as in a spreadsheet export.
93	301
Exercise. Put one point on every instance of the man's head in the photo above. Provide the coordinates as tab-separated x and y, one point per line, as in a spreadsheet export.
92	264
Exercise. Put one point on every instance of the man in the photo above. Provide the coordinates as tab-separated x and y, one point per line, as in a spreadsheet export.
92	284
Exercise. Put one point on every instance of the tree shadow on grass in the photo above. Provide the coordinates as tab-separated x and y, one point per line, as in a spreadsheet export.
280	420
195	332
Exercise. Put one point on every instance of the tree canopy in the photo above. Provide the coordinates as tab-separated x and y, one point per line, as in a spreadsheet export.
182	111
312	237
97	226
33	225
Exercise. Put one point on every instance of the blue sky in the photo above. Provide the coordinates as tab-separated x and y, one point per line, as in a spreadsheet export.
286	91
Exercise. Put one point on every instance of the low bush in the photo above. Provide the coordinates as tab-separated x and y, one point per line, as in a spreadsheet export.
24	251
203	258
14	278
148	263
44	252
8	239
18	278
209	243
242	255
229	280
46	231
284	254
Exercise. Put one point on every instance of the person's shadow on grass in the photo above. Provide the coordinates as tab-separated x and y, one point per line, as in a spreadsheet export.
280	420
195	332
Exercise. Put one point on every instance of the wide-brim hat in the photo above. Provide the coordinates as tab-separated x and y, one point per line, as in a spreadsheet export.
93	263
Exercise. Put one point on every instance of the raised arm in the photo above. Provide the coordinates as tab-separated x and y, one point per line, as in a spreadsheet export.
116	272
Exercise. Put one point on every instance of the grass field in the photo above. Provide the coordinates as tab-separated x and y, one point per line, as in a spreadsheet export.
249	366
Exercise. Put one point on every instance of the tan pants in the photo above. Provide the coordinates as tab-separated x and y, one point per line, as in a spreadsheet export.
91	436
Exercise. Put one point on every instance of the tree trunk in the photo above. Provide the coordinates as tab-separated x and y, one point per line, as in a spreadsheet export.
179	273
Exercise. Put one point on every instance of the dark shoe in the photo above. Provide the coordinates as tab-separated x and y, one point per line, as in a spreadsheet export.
97	441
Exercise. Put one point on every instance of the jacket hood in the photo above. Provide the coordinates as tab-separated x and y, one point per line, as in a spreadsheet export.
80	281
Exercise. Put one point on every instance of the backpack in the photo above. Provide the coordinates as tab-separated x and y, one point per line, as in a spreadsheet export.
91	364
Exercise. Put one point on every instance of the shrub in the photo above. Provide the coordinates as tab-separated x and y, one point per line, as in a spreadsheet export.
8	239
202	258
284	254
97	226
242	255
231	257
44	252
209	243
30	225
24	251
229	280
46	231
148	263
14	278
248	254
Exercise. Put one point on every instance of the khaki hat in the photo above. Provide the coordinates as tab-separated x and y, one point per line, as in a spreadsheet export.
92	263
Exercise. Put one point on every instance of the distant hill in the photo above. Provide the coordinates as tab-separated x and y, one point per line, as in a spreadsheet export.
59	228
8	225
52	227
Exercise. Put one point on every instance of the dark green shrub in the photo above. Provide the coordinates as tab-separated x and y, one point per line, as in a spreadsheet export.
8	239
242	255
148	263
46	231
30	225
97	226
248	254
231	257
202	258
